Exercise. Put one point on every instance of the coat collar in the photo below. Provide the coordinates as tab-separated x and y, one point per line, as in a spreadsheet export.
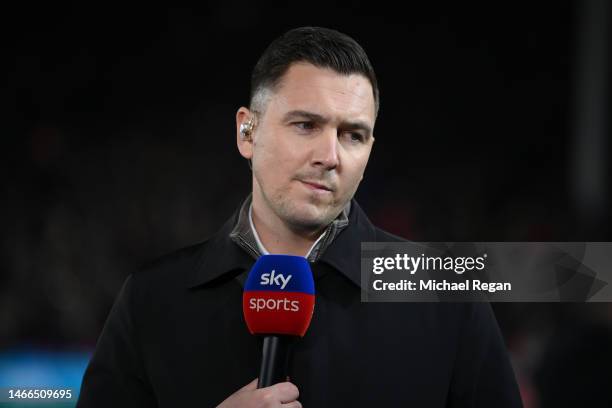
220	258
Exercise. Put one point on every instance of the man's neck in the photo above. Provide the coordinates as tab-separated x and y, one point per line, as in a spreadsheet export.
278	238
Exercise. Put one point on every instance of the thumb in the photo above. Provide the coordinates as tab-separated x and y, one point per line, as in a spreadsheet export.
252	386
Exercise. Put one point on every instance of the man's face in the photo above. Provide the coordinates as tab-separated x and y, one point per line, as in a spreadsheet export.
310	147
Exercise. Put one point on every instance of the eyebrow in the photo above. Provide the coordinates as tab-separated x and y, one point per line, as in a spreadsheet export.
315	117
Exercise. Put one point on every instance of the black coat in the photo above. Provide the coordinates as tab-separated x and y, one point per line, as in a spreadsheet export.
176	337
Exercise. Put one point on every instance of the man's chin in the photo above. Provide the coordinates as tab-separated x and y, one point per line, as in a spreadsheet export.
311	218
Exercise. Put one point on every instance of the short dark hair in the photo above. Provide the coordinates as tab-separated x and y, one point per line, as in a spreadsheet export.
321	47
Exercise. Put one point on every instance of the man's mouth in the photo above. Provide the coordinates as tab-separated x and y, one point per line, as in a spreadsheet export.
317	186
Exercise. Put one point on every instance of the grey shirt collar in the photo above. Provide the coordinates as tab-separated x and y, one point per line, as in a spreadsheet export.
244	235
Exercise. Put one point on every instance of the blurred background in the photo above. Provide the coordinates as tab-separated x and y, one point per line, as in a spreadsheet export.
119	146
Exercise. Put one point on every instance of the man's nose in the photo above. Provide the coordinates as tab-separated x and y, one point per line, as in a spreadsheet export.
325	152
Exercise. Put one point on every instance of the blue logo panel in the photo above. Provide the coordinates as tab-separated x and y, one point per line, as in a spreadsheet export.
286	273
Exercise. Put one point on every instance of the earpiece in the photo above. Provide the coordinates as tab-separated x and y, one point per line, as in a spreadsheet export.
246	128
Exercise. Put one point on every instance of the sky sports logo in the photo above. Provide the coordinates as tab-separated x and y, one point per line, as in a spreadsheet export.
269	302
279	295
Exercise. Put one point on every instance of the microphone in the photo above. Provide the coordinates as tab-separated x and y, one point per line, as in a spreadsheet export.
278	302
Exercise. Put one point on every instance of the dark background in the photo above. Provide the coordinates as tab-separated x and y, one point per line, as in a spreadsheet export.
119	146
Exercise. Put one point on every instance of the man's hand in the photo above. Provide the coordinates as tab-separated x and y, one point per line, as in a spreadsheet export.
283	395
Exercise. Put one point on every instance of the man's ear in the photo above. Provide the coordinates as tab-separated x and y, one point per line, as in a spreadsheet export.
244	132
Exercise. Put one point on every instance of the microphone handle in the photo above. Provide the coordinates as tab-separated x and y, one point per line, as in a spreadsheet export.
274	360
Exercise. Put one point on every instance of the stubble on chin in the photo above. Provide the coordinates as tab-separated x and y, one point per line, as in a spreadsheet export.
311	216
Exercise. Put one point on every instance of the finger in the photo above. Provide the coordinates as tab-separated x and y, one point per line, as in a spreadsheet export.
294	404
250	386
286	391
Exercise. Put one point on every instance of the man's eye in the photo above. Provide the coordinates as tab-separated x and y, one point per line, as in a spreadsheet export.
355	137
304	125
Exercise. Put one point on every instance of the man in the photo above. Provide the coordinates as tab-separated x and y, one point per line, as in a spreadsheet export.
176	336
